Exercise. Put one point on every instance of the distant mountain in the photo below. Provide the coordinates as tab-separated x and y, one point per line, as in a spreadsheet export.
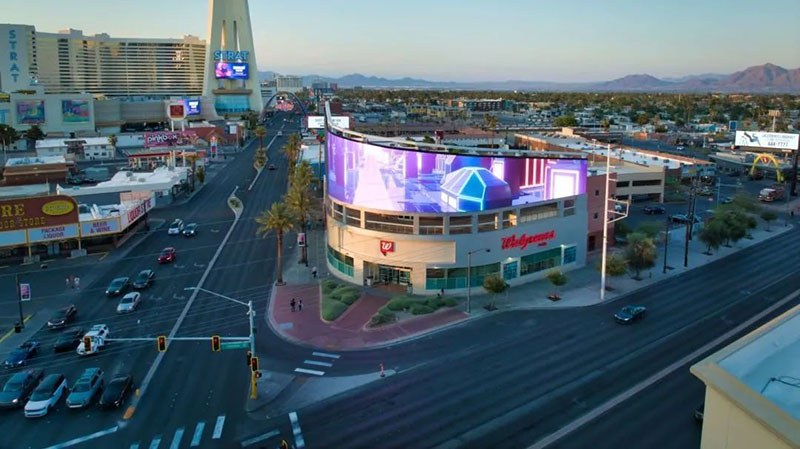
767	78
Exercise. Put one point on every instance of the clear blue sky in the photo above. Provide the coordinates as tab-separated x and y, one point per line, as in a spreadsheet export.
576	40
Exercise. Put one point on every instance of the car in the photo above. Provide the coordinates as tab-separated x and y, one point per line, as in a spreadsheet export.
118	286
20	355
190	230
683	218
167	255
97	334
700	412
68	339
86	388
652	209
144	279
271	167
725	200
19	388
46	395
680	148
116	391
280	133
629	314
176	227
705	191
129	302
62	317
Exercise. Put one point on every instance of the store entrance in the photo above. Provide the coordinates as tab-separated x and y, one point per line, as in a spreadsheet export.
387	274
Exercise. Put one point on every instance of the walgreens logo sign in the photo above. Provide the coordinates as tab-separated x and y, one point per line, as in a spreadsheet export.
524	240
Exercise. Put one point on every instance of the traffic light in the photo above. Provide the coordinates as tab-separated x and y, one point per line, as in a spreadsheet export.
254	364
258	374
249	356
87	344
161	343
215	344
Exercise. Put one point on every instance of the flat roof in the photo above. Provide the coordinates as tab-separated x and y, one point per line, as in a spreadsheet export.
58	143
21	161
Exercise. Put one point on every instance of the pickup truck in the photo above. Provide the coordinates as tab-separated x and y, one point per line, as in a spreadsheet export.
770	195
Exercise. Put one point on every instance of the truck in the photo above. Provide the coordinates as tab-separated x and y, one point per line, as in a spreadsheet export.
770	194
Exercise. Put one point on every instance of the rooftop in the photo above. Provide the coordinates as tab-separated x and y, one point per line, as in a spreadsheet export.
22	161
59	143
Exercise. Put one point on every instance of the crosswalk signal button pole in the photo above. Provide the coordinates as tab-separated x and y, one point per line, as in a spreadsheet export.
87	344
161	343
215	344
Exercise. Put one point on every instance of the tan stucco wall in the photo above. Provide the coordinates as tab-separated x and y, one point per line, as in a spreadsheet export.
727	426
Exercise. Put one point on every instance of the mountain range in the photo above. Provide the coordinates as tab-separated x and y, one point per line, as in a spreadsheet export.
766	78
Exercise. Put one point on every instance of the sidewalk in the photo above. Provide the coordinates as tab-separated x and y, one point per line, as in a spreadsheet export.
350	331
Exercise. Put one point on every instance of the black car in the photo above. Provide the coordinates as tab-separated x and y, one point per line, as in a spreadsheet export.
629	314
20	356
19	388
118	286
62	317
271	167
69	339
190	230
144	279
652	209
116	392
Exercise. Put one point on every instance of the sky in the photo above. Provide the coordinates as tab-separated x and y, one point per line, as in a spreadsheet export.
465	40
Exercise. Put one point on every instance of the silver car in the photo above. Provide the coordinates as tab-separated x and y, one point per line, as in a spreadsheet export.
86	388
129	302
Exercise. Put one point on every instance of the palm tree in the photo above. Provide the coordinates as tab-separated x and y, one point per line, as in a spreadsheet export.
491	125
277	219
260	132
8	135
298	200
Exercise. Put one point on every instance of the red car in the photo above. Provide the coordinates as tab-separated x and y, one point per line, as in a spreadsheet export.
167	255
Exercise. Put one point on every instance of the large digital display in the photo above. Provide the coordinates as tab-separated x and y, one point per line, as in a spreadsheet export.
30	112
393	179
232	70
75	111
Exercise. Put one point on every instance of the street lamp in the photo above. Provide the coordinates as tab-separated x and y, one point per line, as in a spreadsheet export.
469	278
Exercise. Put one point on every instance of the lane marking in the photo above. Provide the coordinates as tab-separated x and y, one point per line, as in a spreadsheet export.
134	446
198	434
625	395
260	438
299	442
309	371
218	427
11	331
156	441
325	354
176	439
84	439
100	259
315	362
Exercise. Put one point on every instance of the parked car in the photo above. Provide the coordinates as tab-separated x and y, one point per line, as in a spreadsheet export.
129	302
68	339
706	191
144	279
46	395
190	230
98	334
629	314
86	388
19	388
20	355
62	317
682	218
118	286
167	255
725	200
116	392
700	412
652	209
176	227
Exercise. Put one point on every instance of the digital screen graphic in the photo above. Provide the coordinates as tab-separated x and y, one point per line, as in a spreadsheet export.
232	70
394	179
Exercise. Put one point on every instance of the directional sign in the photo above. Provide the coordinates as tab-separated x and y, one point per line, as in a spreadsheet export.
235	345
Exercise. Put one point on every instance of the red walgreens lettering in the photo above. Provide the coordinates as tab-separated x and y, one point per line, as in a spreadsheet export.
524	240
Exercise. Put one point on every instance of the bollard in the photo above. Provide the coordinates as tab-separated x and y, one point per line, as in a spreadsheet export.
383	374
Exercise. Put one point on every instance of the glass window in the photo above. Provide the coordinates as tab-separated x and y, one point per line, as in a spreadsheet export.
509	219
570	254
541	212
623	184
340	262
544	260
596	215
338	212
487	222
647	182
431	225
435	273
398	224
569	207
461	224
353	217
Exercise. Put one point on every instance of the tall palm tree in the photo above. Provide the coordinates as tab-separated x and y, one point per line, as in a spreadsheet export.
278	219
298	199
260	132
491	125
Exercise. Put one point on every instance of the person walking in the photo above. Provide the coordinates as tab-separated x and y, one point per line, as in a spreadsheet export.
300	306
293	303
314	272
77	282
69	283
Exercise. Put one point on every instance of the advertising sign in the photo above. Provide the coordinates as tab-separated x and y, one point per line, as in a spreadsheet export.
12	238
169	138
192	107
231	70
318	121
75	111
14	58
48	233
24	292
100	227
43	211
301	239
136	212
176	111
404	180
30	112
524	240
777	141
387	246
732	125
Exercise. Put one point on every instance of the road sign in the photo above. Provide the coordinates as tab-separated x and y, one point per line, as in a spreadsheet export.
236	345
25	292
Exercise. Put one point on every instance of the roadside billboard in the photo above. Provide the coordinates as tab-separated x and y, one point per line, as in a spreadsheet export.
49	233
136	212
192	107
38	212
760	139
75	111
30	112
100	227
318	121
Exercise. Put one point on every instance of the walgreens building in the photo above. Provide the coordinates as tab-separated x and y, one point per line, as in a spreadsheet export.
418	215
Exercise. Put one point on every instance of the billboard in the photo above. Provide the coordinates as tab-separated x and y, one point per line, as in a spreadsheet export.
100	227
404	180
169	139
75	111
37	212
776	141
231	70
192	107
176	111
30	112
318	121
61	232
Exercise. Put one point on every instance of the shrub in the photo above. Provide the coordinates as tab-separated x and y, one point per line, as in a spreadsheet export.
332	309
435	303
328	286
397	304
381	318
450	302
420	309
349	297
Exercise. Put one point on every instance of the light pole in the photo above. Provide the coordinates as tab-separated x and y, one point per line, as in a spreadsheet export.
617	216
469	277
251	314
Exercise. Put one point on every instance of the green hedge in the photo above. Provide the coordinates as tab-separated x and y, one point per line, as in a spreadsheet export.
332	309
336	298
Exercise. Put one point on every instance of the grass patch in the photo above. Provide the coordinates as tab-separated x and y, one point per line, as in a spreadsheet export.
414	305
336	298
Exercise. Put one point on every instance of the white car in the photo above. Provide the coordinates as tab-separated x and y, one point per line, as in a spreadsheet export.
98	334
176	227
129	302
46	395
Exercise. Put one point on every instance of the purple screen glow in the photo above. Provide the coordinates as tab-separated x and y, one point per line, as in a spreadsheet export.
400	180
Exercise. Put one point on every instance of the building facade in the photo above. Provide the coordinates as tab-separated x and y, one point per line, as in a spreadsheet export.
289	83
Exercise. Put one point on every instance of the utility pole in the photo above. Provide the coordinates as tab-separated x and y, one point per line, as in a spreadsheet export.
606	222
666	245
19	299
689	220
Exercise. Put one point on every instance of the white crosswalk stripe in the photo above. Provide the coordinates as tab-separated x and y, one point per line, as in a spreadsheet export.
218	427
318	363
198	434
156	442
326	355
176	439
327	364
134	446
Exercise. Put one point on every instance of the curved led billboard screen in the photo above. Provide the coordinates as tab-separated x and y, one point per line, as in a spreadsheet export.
394	179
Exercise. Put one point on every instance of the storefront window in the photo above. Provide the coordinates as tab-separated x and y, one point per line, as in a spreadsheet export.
570	254
487	222
344	264
461	225
509	219
510	270
569	207
540	261
431	225
541	212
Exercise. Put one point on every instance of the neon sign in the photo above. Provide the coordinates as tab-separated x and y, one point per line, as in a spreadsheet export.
524	240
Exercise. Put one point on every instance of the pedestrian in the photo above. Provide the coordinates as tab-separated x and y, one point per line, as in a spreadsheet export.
300	306
77	282
314	272
293	303
69	283
72	281
792	213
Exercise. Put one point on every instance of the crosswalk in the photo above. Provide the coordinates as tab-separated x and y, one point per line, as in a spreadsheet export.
323	360
177	440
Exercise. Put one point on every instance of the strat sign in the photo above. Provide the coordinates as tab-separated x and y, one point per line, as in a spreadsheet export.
229	55
524	240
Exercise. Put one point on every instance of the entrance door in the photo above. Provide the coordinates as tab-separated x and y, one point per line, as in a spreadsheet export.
592	242
394	275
